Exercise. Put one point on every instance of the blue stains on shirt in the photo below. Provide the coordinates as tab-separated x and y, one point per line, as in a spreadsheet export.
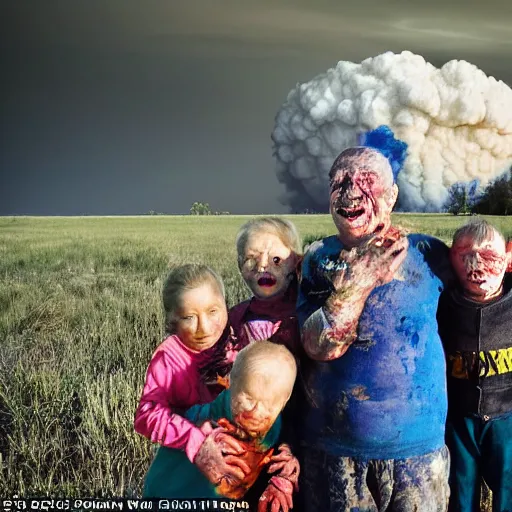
386	397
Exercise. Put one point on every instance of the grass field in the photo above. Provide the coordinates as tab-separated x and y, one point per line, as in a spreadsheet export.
80	316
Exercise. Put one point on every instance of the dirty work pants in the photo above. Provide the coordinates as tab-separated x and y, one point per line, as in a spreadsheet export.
343	484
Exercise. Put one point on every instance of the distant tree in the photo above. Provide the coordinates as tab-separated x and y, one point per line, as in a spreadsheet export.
497	197
199	208
462	198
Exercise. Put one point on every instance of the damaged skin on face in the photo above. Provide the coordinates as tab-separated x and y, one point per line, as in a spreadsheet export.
269	265
257	405
480	268
362	195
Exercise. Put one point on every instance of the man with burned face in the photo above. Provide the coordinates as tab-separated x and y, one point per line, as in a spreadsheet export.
374	425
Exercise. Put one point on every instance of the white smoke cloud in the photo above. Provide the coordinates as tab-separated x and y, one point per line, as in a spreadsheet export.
456	121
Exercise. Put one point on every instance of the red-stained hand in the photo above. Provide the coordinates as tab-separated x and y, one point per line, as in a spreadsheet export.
286	464
277	497
219	457
372	264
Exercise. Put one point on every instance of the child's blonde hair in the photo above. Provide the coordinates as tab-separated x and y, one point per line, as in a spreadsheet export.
265	359
479	230
181	279
282	228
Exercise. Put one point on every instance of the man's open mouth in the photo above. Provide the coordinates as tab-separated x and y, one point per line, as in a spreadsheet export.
350	213
267	281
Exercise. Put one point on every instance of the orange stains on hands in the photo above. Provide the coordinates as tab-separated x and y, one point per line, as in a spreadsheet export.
255	457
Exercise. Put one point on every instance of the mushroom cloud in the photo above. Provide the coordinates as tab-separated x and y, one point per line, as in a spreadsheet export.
456	122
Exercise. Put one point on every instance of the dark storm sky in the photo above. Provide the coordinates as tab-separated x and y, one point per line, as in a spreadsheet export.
122	107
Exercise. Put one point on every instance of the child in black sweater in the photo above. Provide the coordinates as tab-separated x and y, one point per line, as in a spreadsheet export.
475	324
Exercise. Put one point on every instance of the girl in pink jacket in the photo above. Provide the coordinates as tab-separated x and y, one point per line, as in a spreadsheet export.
196	321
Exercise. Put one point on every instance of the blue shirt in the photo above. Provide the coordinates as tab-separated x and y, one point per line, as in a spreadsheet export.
385	398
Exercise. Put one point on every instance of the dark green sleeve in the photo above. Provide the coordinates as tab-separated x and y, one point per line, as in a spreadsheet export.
219	408
273	434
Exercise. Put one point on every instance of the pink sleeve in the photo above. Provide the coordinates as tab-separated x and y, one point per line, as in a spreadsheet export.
155	418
